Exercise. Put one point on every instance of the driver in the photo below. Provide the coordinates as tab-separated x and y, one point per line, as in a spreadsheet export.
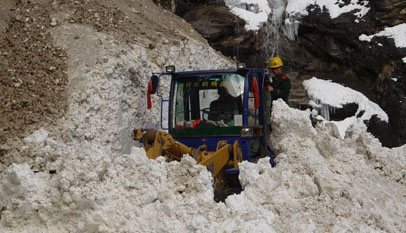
224	108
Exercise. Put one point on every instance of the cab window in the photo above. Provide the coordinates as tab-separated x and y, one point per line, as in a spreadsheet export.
208	101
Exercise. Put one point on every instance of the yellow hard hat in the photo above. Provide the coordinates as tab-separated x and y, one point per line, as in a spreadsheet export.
275	62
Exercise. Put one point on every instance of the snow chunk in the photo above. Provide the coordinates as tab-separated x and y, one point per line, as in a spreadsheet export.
254	12
38	137
343	125
364	37
22	192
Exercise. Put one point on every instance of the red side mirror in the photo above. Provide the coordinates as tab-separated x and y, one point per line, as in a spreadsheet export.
152	88
255	89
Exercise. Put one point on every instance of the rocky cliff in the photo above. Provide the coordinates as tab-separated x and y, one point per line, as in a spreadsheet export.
324	47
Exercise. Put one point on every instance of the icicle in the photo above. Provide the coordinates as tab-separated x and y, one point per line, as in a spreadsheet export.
325	111
273	25
320	108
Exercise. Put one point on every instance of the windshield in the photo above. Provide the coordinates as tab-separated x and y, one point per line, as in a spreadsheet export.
207	101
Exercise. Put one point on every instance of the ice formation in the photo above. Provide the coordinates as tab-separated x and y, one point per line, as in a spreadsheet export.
335	96
254	12
326	96
296	9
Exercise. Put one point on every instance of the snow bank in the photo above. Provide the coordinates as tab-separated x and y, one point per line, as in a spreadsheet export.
327	184
109	100
89	180
321	184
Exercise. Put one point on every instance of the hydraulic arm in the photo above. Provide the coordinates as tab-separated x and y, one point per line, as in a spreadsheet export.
158	143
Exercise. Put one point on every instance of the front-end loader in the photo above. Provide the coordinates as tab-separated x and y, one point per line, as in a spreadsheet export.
216	116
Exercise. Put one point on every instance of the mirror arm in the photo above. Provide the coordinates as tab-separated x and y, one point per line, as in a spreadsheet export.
149	102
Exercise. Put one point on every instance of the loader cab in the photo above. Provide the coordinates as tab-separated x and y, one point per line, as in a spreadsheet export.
208	106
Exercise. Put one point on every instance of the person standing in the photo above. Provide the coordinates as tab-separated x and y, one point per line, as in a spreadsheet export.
280	85
276	87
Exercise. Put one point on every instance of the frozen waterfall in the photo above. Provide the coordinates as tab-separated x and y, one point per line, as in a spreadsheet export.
279	22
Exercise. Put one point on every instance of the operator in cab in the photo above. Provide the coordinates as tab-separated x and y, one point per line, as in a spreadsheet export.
224	108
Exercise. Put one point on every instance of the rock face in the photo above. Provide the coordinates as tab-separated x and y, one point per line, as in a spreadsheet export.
331	49
223	30
390	12
326	48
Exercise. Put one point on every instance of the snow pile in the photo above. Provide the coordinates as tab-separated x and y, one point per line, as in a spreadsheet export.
325	184
94	190
397	33
254	12
321	184
109	100
89	180
325	96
